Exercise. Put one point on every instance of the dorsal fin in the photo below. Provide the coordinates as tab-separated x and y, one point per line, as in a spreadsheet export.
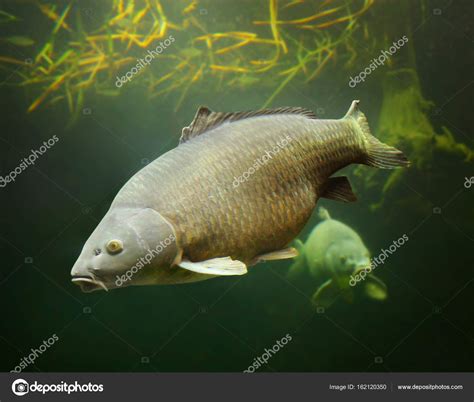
324	214
205	119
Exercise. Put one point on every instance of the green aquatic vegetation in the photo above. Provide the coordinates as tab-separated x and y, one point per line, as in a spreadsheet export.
404	122
73	61
7	17
19	40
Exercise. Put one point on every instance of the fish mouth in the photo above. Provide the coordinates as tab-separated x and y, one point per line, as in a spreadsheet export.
88	284
363	267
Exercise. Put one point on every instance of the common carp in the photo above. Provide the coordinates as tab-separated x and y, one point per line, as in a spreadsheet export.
332	253
214	205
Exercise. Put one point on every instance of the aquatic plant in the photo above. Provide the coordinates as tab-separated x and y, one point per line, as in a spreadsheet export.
410	129
75	62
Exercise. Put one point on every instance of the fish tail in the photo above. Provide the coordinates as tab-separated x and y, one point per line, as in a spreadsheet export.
377	154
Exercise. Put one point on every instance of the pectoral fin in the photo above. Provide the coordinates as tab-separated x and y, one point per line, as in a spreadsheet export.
326	294
375	288
225	266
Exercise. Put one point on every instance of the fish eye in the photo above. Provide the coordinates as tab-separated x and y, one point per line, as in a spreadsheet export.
343	258
114	246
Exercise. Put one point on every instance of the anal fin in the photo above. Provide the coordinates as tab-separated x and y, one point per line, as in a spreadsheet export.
284	254
339	189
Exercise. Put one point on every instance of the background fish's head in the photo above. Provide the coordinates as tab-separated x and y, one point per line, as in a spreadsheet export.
126	248
350	256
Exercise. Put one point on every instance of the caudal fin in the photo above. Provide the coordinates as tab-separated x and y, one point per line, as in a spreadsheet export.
378	154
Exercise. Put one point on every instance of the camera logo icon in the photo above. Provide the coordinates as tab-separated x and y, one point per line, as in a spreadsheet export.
20	387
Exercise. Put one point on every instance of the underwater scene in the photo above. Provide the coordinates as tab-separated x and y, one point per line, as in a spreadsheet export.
236	186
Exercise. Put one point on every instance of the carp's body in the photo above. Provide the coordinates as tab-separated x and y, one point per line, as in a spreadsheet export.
226	205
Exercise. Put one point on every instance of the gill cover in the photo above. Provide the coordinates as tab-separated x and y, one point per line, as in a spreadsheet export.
151	229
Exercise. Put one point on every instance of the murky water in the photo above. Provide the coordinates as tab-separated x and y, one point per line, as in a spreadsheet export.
224	324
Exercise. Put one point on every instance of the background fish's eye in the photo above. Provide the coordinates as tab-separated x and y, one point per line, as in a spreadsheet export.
343	258
114	246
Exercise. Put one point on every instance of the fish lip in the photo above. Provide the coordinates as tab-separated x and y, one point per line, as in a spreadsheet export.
85	283
362	267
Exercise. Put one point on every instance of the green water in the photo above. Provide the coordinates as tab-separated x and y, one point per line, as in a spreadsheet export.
223	324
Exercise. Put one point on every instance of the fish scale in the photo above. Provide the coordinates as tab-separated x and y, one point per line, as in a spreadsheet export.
271	207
